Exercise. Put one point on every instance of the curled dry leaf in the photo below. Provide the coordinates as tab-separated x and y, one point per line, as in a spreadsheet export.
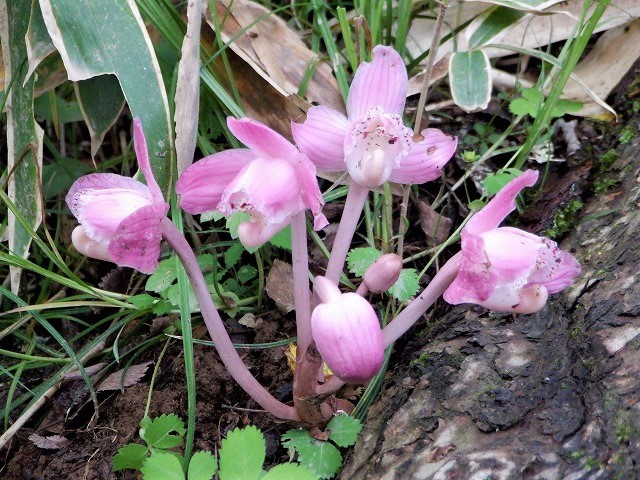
279	286
52	442
435	226
250	320
124	378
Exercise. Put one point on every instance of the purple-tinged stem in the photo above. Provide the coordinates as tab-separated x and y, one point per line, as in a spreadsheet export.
302	295
217	330
410	315
350	215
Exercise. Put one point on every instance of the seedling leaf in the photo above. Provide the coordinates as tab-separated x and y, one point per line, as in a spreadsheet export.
296	439
163	277
495	181
158	432
282	239
322	458
132	455
531	103
406	286
203	466
242	454
162	466
344	430
359	259
290	471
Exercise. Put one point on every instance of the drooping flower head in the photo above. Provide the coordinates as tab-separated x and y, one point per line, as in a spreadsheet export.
120	217
347	333
372	142
271	180
507	269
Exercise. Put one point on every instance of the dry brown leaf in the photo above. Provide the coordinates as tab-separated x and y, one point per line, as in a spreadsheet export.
604	66
250	320
132	375
52	442
435	226
280	286
276	52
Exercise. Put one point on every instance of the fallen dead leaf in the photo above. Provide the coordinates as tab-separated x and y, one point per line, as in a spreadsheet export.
124	378
250	320
52	442
279	286
435	226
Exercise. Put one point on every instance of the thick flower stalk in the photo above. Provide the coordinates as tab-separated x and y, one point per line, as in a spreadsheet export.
120	217
507	269
371	142
271	181
347	333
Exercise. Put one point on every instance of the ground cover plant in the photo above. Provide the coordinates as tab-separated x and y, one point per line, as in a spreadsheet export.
329	207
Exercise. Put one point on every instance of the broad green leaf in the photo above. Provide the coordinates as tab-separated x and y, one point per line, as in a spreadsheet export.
67	112
108	37
164	276
101	100
132	455
296	439
58	176
359	259
526	5
406	286
344	430
165	431
39	44
531	104
490	25
202	466
322	458
289	471
142	300
495	181
162	466
24	136
232	254
242	454
470	80
282	239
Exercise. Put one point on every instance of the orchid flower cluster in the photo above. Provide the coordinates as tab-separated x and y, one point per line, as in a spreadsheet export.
274	181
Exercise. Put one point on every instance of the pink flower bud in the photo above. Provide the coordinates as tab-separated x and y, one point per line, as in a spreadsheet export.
347	333
383	273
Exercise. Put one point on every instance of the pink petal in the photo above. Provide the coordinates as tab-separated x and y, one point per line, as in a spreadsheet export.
556	268
513	254
137	240
89	247
525	300
255	232
475	281
101	200
381	83
321	137
142	154
502	204
309	189
267	189
426	158
202	184
261	139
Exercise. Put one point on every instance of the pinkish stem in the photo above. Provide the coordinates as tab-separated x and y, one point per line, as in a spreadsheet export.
350	215
217	330
302	296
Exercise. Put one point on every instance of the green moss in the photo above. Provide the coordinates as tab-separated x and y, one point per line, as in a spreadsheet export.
607	158
601	185
627	134
565	219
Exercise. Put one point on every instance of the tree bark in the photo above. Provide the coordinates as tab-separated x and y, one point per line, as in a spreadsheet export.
554	395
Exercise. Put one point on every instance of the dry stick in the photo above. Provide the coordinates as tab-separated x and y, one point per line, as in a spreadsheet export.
410	315
217	330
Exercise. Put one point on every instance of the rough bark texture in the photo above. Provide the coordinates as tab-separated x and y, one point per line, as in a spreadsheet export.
555	395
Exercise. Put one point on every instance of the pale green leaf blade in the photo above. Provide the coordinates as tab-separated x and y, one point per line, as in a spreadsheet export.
132	456
525	5
406	286
470	80
24	136
39	44
162	466
490	25
494	182
203	466
101	101
322	458
289	471
242	454
109	37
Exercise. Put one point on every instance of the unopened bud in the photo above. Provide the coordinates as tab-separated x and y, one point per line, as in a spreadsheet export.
383	273
347	333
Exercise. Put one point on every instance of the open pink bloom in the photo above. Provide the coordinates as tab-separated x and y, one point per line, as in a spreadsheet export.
271	180
347	333
120	217
507	269
372	140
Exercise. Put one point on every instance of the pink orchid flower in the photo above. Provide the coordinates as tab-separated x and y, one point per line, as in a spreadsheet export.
347	333
271	180
507	269
372	140
120	217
